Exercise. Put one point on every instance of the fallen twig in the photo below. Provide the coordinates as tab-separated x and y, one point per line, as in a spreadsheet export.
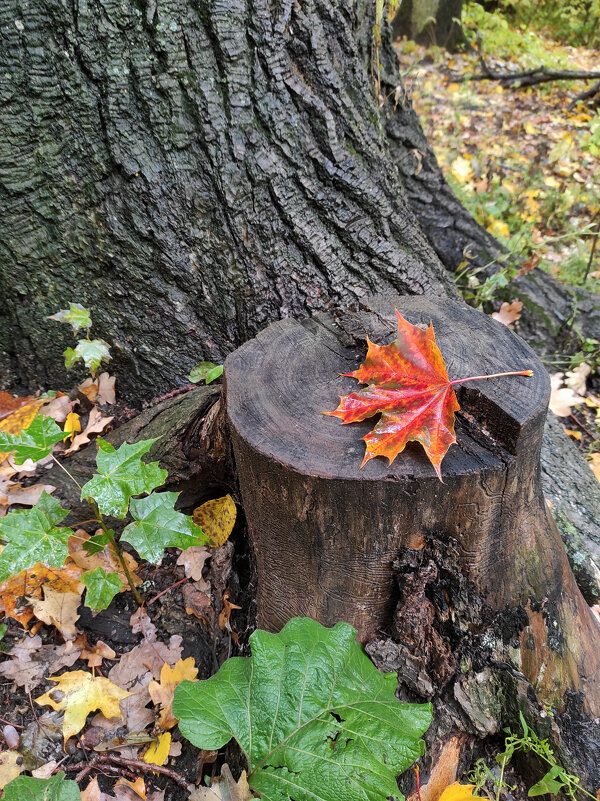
532	76
107	760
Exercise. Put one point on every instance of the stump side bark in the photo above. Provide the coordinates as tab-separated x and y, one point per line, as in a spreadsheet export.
330	539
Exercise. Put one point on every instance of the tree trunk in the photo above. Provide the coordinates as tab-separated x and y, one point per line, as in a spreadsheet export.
198	167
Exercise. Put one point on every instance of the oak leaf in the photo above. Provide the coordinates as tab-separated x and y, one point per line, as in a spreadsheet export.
95	425
409	385
80	693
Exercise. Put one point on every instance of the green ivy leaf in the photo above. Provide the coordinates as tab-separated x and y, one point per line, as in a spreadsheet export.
121	474
31	536
91	351
34	442
101	587
205	371
158	526
316	720
56	788
77	316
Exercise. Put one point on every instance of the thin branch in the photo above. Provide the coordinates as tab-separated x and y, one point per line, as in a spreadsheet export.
532	76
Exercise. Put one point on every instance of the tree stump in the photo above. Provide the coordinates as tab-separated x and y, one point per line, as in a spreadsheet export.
471	570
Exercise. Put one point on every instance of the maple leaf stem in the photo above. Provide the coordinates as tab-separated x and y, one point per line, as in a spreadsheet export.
495	375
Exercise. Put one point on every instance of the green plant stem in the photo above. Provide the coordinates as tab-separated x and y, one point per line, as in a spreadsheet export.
118	551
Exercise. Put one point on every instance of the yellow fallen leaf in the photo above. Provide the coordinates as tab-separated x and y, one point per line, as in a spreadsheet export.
19	420
72	424
573	434
77	694
158	752
458	792
594	463
216	518
138	786
461	170
9	769
162	692
498	228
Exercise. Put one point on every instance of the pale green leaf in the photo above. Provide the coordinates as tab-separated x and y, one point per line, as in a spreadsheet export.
34	442
205	371
121	474
101	587
158	526
315	718
77	316
32	536
56	788
91	351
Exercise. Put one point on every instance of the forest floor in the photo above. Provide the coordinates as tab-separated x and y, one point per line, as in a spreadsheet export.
525	162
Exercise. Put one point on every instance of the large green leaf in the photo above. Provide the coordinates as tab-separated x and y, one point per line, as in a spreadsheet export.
34	442
121	474
56	788
158	526
31	536
101	587
315	718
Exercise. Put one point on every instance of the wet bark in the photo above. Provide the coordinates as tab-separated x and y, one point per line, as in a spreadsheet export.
201	168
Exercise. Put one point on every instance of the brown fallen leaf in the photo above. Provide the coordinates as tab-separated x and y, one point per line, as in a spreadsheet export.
58	609
100	391
12	492
197	603
162	692
508	313
224	788
95	425
576	379
562	399
225	614
94	654
192	560
46	770
58	408
141	624
106	558
30	661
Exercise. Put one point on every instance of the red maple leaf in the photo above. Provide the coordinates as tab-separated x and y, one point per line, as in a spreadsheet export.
408	384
